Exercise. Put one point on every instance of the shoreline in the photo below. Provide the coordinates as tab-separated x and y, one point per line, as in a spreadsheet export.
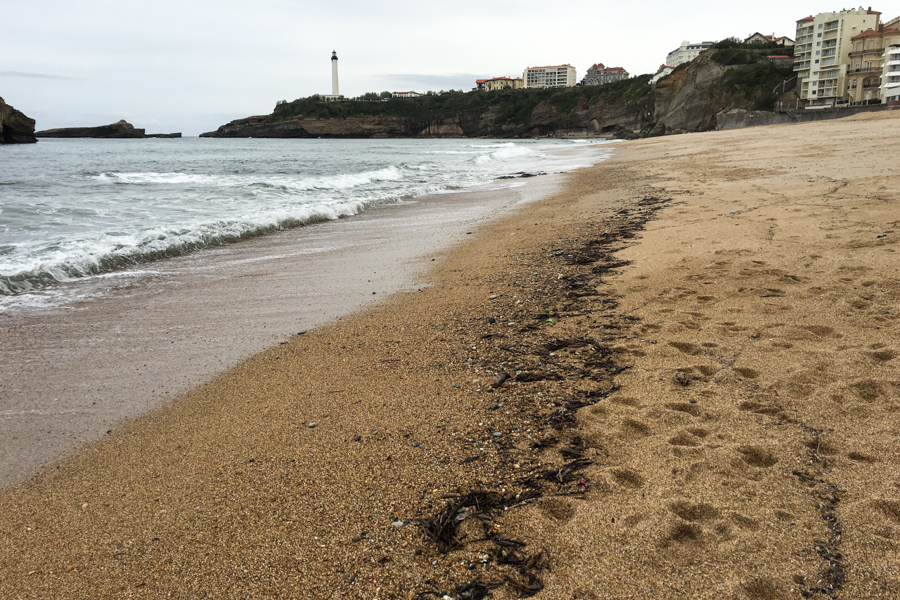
74	372
682	364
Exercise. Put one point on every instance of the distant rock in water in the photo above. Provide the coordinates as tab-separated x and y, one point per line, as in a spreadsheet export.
15	128
122	129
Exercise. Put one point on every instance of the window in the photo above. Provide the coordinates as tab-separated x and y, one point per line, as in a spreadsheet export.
819	35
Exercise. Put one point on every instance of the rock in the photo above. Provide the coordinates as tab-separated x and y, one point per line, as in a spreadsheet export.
658	130
398	524
493	406
500	380
313	425
15	127
121	129
497	434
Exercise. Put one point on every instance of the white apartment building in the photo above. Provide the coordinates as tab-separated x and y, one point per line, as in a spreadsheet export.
549	77
822	53
686	52
890	75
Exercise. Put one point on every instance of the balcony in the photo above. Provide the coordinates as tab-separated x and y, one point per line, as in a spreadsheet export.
867	52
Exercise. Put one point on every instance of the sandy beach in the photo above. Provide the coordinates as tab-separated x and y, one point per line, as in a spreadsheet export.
677	378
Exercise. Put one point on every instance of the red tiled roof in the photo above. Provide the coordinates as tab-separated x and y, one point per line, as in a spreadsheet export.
809	18
872	32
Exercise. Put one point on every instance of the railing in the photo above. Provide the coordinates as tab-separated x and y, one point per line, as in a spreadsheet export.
869	51
866	70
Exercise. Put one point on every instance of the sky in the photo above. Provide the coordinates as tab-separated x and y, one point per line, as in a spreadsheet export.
192	65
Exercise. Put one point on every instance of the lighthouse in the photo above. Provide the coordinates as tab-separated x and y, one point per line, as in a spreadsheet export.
335	94
334	77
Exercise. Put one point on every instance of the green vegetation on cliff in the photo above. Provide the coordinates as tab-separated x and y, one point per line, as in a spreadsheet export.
509	106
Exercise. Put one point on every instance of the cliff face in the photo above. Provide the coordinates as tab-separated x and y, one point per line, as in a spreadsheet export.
689	99
15	127
545	119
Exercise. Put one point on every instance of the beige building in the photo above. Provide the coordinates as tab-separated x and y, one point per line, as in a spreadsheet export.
864	73
549	77
822	54
499	83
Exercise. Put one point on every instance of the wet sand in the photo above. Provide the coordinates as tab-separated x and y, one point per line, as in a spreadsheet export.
675	379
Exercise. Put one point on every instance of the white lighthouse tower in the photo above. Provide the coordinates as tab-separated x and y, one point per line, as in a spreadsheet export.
335	93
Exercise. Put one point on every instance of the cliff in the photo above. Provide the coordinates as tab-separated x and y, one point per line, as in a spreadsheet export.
733	76
505	113
15	127
119	130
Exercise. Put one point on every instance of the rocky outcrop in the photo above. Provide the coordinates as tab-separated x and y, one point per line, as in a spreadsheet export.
352	127
587	118
121	130
15	127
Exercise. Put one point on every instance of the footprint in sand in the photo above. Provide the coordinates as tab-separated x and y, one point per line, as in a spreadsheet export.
889	508
757	457
686	347
627	478
694	512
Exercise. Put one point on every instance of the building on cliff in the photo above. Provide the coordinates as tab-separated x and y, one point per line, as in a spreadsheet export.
864	74
335	94
599	74
686	52
822	54
761	38
406	95
663	71
559	76
498	83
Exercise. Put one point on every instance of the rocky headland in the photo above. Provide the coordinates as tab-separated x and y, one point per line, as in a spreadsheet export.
119	130
15	127
732	77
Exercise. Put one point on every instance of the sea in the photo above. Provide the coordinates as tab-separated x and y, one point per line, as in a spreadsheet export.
77	210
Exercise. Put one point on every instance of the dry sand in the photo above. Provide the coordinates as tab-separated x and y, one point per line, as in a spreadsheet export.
707	408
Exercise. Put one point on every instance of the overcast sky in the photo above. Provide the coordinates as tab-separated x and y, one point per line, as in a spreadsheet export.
192	65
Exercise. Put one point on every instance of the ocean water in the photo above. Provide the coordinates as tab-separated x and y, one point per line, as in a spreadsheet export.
73	210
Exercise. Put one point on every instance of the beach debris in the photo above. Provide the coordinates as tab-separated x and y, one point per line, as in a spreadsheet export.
313	425
500	380
398	524
497	434
881	235
301	332
492	297
493	406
